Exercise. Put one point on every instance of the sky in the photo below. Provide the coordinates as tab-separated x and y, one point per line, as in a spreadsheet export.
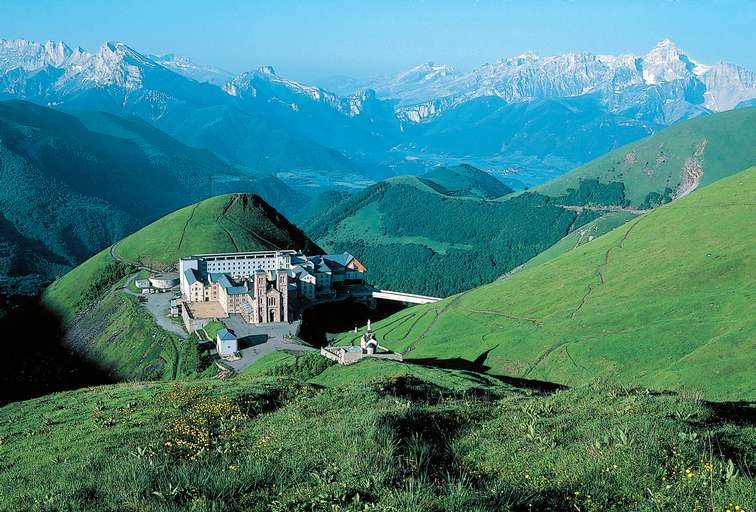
308	40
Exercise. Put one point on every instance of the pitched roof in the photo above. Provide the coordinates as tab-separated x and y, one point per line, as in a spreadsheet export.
221	279
191	276
342	259
225	335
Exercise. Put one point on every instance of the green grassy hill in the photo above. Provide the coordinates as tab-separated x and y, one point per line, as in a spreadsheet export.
652	169
580	236
109	326
665	301
417	235
403	437
464	180
71	184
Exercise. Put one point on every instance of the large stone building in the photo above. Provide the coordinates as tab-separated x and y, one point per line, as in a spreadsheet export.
262	286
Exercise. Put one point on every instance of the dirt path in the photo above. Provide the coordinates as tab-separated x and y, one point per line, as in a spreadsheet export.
538	322
428	329
140	266
599	269
580	208
186	224
233	242
254	234
546	353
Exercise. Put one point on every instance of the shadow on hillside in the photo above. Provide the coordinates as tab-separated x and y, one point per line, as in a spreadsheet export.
35	360
474	368
740	412
330	317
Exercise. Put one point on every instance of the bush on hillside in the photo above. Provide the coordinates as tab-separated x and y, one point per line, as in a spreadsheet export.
108	276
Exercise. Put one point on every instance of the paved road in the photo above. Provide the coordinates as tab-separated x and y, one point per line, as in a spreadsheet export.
256	341
159	305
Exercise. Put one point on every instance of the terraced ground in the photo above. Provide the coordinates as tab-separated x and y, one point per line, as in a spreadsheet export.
665	301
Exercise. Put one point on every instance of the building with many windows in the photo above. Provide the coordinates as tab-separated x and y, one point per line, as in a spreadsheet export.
262	286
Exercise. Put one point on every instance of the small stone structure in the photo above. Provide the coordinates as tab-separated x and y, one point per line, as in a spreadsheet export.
164	280
369	347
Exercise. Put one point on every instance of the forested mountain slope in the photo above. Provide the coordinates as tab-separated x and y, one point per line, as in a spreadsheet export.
413	238
464	181
73	184
418	236
665	301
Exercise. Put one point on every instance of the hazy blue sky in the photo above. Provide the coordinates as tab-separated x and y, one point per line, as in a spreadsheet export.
311	39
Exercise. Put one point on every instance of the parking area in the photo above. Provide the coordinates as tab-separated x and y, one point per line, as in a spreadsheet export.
255	341
159	305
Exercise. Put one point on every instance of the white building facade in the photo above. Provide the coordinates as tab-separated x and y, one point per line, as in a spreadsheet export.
259	286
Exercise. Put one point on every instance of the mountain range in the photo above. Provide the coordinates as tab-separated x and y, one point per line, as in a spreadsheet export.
662	86
498	116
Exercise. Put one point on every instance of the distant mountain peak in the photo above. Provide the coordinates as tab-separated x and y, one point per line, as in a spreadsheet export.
123	50
187	67
266	70
31	56
666	43
527	56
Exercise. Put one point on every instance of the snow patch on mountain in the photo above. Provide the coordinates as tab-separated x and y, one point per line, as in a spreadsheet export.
617	78
199	72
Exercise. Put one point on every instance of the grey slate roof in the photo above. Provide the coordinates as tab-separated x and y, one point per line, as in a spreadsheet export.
191	276
225	335
342	259
221	279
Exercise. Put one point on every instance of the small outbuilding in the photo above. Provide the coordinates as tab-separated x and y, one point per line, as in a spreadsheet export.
226	343
142	284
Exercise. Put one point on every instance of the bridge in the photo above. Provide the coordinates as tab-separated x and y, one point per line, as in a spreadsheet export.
410	298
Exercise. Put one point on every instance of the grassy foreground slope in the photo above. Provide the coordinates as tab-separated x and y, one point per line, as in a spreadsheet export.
717	145
423	440
106	323
665	301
